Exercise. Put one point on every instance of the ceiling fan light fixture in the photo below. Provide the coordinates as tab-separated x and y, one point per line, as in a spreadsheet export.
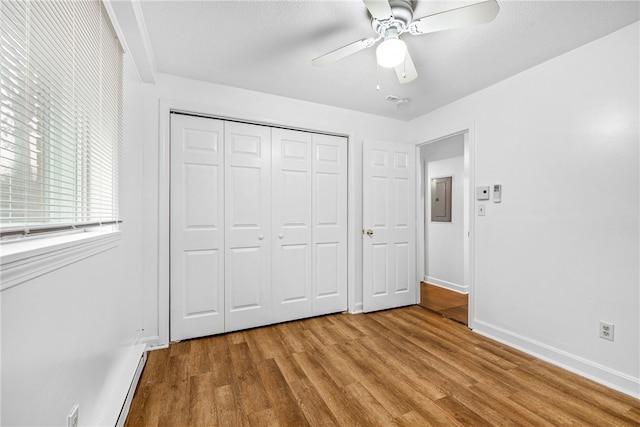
391	52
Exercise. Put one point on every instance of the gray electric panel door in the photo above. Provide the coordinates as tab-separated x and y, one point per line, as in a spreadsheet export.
441	199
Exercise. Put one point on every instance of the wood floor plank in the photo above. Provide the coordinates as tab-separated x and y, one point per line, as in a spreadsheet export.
175	411
282	399
146	407
266	418
251	392
411	419
290	334
228	408
450	304
407	366
202	400
333	395
461	413
634	414
290	369
584	411
312	405
381	386
376	409
155	367
487	395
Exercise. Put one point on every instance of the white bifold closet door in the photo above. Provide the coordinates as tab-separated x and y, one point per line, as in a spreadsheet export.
258	225
309	224
329	218
197	227
247	200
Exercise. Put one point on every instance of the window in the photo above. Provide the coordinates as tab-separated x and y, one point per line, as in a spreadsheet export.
60	116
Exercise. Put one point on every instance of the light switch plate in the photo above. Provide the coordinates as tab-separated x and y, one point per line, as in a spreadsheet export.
482	209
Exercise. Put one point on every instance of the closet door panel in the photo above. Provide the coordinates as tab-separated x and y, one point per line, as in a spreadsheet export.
292	226
196	230
247	205
329	167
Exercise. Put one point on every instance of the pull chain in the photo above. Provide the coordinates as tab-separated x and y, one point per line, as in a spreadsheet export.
404	68
377	77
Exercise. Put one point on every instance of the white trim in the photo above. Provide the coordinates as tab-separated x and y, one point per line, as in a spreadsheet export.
29	258
594	371
353	232
164	120
447	285
357	308
130	27
152	342
420	212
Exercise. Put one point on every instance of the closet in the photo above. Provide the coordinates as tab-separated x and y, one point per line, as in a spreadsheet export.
258	225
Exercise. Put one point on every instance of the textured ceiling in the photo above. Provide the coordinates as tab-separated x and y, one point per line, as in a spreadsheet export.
268	46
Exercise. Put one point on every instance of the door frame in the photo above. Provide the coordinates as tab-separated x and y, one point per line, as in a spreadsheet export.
165	107
469	247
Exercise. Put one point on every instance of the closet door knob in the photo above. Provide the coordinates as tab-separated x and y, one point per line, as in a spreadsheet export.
260	237
280	236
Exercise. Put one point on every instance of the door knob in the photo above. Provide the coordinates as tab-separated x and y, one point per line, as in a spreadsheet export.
260	237
369	232
280	236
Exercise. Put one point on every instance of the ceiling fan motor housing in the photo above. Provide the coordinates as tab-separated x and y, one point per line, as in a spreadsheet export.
402	11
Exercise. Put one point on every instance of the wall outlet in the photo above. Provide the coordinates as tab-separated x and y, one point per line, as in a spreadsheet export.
72	418
606	330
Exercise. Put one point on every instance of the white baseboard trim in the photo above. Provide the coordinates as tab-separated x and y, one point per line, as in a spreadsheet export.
578	365
151	342
447	285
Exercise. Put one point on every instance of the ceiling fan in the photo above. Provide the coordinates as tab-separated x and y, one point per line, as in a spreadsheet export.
392	18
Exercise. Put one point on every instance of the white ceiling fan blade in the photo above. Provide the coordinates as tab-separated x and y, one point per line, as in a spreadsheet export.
406	71
379	9
343	52
479	13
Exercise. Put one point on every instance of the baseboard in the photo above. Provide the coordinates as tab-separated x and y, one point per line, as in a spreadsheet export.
151	342
447	285
578	365
132	389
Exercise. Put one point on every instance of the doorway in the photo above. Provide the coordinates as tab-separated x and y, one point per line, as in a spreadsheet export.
445	208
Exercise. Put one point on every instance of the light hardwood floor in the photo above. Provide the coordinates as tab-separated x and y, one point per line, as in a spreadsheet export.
450	304
406	366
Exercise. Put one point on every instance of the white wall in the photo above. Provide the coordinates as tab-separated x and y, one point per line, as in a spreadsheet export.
445	249
252	106
67	335
561	252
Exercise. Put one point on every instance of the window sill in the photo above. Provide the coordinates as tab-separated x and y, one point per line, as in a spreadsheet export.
27	259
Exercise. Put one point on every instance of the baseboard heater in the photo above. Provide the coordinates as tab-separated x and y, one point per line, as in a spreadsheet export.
122	418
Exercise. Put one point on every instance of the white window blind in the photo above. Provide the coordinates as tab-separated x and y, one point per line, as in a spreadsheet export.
60	115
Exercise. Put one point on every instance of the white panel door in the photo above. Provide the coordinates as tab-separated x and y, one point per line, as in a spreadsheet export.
197	230
329	224
389	222
247	226
292	227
